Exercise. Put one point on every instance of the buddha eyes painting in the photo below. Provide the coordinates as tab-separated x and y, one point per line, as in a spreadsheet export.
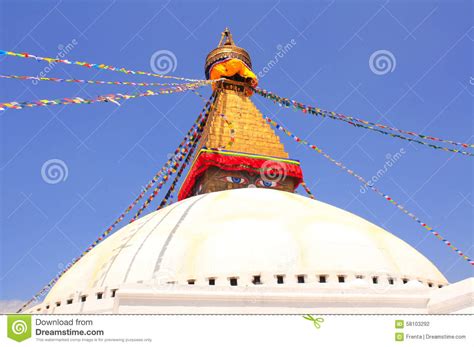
248	182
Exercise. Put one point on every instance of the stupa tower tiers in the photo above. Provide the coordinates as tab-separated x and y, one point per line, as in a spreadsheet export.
238	149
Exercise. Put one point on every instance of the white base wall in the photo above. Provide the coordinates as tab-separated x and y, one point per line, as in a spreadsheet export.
174	299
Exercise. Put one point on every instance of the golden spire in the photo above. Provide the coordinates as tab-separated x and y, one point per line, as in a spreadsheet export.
227	36
235	123
238	148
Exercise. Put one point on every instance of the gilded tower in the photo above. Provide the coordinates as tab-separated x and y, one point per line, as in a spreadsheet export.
238	149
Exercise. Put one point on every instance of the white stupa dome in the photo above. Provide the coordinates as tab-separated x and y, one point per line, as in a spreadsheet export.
245	238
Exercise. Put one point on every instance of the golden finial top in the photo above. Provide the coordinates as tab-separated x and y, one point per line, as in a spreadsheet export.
226	50
227	36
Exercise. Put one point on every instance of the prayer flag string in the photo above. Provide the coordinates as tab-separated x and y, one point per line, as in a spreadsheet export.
191	143
199	95
372	187
192	148
93	66
74	80
365	124
114	98
166	200
303	184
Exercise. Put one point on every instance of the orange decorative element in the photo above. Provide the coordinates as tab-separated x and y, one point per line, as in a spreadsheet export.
231	67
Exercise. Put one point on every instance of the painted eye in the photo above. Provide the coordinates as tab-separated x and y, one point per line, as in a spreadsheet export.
236	180
266	184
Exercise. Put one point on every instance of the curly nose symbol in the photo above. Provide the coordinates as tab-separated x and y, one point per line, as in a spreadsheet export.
251	186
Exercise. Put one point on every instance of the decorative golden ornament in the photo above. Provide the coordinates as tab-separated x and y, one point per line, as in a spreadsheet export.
226	49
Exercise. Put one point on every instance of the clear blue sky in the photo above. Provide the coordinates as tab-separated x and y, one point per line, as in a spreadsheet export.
111	151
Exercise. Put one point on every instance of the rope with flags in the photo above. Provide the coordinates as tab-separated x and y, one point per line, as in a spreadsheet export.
178	152
200	95
172	188
360	123
74	80
307	190
191	143
114	98
372	187
50	60
166	199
